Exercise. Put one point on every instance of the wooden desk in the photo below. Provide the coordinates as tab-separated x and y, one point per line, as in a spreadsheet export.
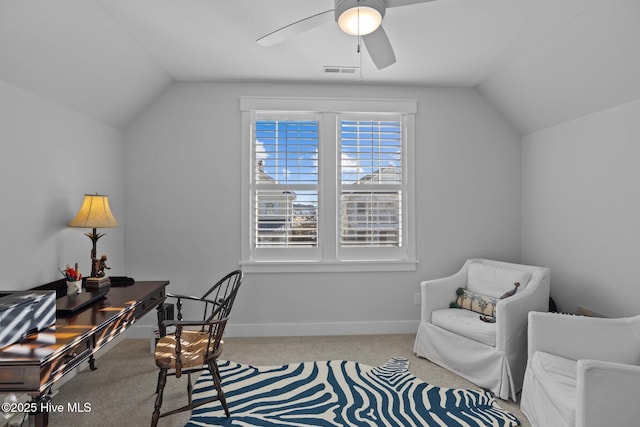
35	364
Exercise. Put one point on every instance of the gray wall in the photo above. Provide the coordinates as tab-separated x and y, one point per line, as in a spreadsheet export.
182	196
50	157
581	209
179	210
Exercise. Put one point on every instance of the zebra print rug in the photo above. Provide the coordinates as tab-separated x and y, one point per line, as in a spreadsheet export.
341	393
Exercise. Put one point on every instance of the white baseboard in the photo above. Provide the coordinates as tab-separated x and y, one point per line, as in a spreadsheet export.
141	331
299	329
321	328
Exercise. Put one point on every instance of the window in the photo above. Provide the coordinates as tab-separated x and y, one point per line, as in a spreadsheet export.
371	183
285	208
329	185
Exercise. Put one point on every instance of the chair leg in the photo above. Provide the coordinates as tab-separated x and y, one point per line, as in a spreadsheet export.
189	387
158	381
218	374
215	373
162	381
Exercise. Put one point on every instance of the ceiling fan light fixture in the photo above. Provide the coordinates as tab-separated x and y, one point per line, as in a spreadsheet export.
359	20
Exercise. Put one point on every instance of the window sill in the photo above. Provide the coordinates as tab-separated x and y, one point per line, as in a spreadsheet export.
326	267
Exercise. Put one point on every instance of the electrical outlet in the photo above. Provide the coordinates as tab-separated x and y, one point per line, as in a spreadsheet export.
417	299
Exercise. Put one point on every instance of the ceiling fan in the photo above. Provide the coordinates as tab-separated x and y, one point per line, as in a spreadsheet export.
361	18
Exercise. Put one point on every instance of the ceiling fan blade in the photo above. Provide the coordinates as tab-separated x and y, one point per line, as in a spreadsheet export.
296	28
397	3
379	48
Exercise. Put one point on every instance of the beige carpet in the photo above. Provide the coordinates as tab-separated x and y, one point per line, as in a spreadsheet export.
121	392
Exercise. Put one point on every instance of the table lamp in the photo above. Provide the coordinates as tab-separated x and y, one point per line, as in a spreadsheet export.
94	213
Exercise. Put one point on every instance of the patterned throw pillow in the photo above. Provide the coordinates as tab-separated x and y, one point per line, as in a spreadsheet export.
475	302
482	304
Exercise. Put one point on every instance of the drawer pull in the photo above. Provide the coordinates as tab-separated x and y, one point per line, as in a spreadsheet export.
68	357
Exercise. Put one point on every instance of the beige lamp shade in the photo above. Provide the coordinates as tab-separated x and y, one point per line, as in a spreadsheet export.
94	213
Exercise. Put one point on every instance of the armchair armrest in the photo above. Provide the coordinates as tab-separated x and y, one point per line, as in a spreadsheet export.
179	305
190	298
512	314
180	324
607	394
439	293
579	337
511	327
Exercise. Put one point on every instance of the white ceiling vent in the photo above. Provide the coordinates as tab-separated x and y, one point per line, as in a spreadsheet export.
339	69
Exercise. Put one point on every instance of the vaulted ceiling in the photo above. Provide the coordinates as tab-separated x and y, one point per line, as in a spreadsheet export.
540	62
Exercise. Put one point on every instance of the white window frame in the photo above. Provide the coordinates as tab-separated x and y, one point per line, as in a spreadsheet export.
376	253
329	256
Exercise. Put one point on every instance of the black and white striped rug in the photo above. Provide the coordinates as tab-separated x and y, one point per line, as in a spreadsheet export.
341	393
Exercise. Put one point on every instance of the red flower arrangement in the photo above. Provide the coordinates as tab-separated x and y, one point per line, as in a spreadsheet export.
71	274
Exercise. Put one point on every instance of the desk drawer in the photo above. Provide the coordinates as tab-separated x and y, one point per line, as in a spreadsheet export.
19	378
149	303
70	359
114	328
66	361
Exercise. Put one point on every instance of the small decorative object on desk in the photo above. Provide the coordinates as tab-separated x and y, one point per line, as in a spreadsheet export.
74	279
99	282
99	264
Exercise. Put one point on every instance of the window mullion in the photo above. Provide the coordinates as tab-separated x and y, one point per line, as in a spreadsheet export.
328	157
247	199
409	179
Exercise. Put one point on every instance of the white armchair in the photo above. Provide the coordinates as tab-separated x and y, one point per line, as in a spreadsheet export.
582	371
490	355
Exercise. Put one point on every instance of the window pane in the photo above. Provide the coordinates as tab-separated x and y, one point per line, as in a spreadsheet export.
286	166
286	218
369	218
286	151
371	152
371	157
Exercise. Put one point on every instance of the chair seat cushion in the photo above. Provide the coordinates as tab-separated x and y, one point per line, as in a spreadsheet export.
466	323
493	281
556	376
192	353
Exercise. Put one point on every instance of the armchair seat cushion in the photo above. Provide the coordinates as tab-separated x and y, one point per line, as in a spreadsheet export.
465	323
193	349
556	376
